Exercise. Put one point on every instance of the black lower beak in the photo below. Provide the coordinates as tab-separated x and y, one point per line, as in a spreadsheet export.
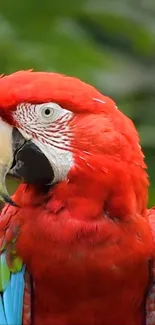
30	164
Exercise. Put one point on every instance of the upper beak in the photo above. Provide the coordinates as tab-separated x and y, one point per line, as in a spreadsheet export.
6	158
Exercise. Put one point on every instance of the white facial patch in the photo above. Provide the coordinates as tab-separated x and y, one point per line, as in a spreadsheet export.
46	125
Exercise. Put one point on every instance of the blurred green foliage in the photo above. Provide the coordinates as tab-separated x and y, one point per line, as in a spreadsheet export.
108	43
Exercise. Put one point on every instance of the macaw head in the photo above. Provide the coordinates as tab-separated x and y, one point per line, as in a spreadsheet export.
55	129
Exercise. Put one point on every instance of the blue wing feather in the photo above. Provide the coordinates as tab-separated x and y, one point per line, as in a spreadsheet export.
8	307
18	291
2	314
11	299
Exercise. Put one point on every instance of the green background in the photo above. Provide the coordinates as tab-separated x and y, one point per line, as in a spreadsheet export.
110	44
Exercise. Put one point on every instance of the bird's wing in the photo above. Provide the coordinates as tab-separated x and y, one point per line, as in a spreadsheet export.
12	293
15	292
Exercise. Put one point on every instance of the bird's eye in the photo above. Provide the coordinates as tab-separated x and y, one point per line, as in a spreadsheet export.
47	112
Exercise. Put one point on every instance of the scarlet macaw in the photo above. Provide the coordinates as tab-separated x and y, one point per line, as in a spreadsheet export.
75	238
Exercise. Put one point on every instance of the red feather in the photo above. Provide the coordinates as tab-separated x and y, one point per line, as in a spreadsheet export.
84	272
87	242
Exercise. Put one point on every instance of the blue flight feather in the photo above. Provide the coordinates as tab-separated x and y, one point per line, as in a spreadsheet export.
2	314
11	299
18	291
8	306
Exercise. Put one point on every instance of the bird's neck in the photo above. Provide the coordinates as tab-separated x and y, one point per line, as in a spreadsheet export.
88	198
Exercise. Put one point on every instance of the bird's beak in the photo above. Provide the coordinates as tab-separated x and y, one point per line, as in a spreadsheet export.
6	158
7	150
18	157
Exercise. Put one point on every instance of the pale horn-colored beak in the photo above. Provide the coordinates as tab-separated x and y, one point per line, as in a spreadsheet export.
6	159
